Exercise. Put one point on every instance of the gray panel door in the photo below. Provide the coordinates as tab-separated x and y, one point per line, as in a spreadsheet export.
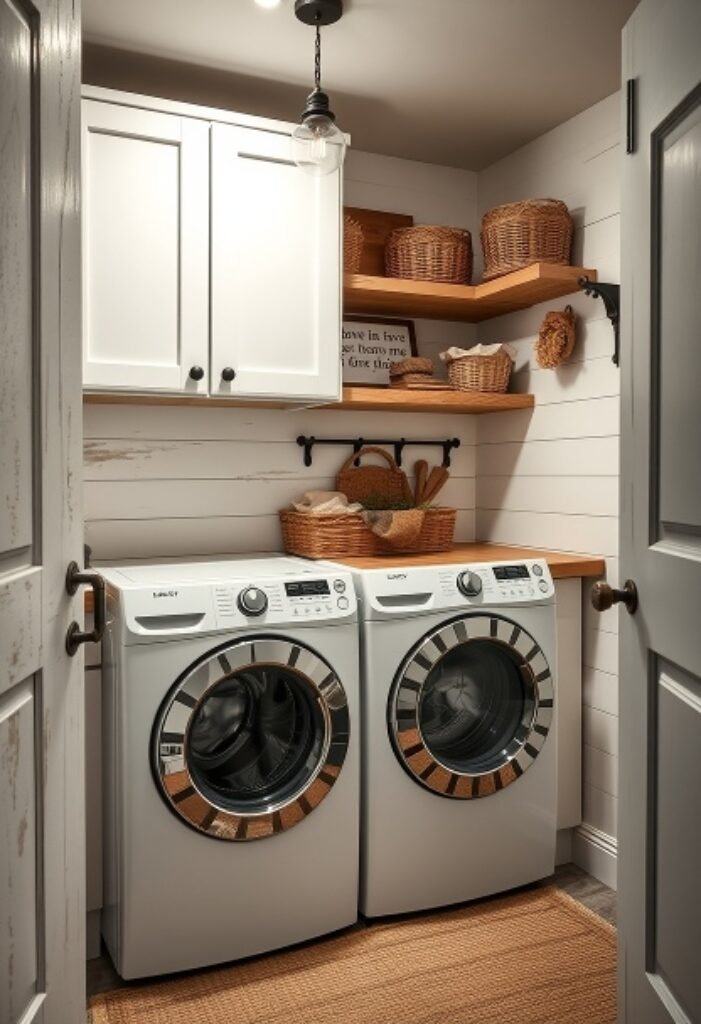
660	713
41	728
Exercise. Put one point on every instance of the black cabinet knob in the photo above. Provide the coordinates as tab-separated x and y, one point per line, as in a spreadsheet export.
228	374
196	373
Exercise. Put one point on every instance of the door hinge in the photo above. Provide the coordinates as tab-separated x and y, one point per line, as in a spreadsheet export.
631	97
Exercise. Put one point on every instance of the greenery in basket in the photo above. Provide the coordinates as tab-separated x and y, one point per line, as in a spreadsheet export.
381	503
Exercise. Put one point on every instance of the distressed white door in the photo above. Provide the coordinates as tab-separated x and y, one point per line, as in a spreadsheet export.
145	250
276	271
660	712
42	826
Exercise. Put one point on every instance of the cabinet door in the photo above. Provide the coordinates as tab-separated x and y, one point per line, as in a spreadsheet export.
145	249
276	270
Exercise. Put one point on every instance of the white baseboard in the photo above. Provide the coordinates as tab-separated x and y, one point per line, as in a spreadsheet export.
563	847
596	853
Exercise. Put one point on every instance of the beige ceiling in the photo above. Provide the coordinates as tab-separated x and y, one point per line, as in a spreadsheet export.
456	82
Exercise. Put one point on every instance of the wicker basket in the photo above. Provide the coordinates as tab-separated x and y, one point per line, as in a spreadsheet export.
519	234
347	536
425	253
359	483
481	373
353	239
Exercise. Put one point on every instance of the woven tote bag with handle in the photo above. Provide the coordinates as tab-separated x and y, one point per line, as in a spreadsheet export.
360	483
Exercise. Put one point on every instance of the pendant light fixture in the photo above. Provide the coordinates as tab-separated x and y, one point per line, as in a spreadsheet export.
318	145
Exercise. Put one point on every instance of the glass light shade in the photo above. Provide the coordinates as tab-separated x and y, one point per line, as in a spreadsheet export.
318	146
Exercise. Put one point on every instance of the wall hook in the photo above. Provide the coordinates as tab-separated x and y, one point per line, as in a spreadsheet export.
611	295
356	443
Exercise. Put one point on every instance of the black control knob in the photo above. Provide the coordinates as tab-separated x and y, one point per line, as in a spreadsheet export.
469	583
228	374
196	373
253	601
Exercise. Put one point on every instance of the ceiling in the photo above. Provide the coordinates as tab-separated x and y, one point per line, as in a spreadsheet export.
455	82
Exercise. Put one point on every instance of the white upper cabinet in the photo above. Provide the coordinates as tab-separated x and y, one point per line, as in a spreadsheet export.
145	250
276	270
212	263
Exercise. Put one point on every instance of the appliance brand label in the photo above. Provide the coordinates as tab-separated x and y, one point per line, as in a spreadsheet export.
396	575
165	593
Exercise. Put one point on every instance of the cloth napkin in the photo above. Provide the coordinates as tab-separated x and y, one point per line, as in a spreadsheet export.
476	350
326	503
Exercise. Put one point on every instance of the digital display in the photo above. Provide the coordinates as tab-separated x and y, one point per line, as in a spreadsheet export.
511	572
307	588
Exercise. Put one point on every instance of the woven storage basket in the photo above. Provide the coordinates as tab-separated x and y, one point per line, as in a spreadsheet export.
359	483
348	537
519	234
353	240
481	373
426	253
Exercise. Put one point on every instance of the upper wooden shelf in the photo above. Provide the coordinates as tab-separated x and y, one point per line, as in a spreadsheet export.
471	303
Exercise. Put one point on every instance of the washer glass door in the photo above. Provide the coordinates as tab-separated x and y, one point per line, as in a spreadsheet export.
471	706
251	738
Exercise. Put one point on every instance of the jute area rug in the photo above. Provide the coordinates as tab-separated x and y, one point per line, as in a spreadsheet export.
532	958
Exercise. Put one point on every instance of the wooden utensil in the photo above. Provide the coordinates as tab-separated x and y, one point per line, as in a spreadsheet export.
438	476
420	475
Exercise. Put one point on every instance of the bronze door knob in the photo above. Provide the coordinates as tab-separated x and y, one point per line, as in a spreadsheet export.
604	596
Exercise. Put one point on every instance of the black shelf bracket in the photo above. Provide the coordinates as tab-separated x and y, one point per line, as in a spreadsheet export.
611	295
399	444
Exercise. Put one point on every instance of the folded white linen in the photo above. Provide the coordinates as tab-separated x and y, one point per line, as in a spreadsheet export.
325	503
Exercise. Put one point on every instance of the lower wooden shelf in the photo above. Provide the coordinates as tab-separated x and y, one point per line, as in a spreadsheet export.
354	398
399	400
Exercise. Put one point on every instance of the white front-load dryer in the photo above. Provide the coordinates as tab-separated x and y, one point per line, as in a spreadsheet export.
231	760
458	738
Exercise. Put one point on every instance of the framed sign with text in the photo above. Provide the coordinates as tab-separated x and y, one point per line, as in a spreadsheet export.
370	344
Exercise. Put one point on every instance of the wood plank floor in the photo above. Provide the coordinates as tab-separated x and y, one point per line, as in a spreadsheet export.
102	977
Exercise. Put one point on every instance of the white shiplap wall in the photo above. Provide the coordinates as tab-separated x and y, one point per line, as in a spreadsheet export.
185	481
549	478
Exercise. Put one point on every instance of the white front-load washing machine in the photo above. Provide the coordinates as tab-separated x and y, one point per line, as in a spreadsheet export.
231	760
458	741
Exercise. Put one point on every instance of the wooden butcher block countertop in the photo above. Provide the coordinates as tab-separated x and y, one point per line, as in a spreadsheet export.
561	564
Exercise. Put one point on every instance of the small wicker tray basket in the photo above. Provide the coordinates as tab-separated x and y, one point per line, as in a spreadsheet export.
518	234
481	373
353	240
427	253
347	536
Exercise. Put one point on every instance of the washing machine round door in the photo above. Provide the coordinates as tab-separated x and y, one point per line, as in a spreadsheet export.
471	706
251	738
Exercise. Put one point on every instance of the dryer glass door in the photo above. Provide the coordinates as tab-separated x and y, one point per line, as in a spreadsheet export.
251	738
471	706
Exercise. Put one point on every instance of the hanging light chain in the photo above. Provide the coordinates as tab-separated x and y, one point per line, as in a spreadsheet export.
317	59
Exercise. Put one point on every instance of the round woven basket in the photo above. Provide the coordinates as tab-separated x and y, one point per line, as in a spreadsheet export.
348	536
481	373
427	253
519	234
353	239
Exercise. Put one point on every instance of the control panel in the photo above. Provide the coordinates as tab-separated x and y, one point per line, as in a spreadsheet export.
500	582
399	592
187	608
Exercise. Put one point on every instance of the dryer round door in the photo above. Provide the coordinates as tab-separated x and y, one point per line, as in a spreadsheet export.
471	706
251	738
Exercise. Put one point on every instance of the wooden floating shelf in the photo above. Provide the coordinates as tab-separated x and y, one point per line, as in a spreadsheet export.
470	303
354	398
400	400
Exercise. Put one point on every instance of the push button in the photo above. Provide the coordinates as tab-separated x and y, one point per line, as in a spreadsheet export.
343	603
339	586
537	570
543	586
